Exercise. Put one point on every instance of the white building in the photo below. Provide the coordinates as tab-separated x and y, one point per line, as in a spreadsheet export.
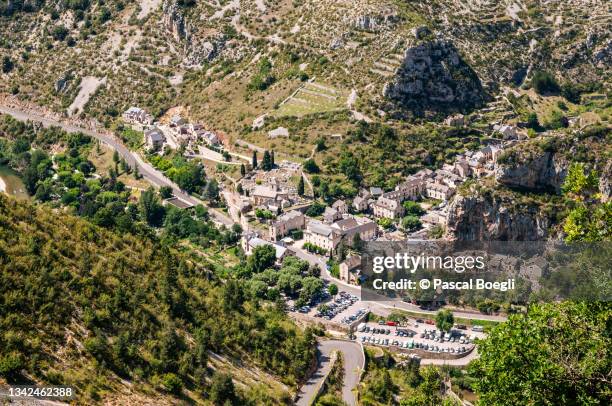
138	116
322	235
388	205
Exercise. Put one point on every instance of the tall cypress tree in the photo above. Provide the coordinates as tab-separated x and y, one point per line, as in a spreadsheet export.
266	162
300	188
254	159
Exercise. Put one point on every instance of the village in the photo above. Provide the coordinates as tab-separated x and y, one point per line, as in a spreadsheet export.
267	204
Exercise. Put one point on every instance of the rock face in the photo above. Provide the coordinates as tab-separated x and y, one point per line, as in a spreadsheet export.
197	50
487	218
433	76
375	22
543	172
174	20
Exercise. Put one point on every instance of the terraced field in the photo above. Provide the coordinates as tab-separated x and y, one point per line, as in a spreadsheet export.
312	98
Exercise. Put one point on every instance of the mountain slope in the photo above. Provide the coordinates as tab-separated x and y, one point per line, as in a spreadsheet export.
119	316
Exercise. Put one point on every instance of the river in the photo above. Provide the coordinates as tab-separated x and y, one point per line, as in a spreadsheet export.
11	183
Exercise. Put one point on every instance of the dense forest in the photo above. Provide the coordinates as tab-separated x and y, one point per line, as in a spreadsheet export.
85	306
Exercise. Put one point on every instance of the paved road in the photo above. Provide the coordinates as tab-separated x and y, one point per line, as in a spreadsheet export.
354	363
382	308
148	172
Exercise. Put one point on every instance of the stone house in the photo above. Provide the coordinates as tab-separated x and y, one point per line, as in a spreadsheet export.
388	205
349	269
439	191
322	235
293	220
350	226
360	204
136	115
154	139
330	215
340	206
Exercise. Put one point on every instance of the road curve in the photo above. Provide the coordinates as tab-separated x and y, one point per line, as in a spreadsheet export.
148	172
354	363
384	307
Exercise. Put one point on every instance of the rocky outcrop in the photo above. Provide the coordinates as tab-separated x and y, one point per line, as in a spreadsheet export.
433	76
197	50
61	85
489	218
544	171
375	22
174	20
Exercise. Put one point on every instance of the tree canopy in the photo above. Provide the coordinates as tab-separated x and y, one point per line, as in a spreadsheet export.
556	354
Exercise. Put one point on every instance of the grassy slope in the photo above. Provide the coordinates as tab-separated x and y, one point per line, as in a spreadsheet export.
111	315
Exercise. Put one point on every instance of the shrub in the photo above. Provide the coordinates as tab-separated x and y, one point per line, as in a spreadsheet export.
544	83
172	383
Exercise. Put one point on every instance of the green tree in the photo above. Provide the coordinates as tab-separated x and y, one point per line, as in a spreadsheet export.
211	191
150	207
59	33
532	121
578	182
544	83
242	170
332	289
310	166
7	64
411	223
349	166
172	383
254	160
10	366
556	354
222	389
266	163
300	187
262	257
165	192
413	208
445	320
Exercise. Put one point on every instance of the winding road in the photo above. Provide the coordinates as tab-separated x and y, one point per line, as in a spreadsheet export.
134	160
354	363
383	307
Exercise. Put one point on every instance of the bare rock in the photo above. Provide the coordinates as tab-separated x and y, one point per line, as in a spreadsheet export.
489	218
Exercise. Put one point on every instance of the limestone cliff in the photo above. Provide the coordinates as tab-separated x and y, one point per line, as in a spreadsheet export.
544	171
493	218
433	76
197	48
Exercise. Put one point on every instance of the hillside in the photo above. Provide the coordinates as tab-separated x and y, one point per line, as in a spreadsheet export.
101	57
123	318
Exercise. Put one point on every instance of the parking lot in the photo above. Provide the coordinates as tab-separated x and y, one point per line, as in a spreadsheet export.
417	336
343	308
